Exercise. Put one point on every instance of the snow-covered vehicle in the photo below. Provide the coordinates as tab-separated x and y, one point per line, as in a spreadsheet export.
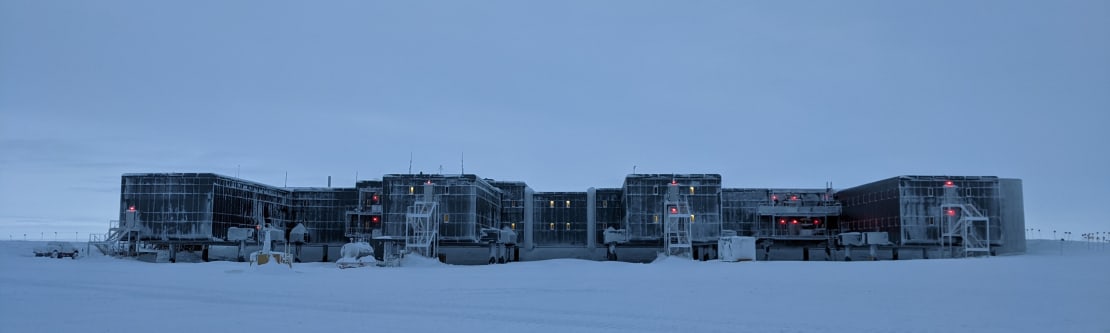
56	250
357	254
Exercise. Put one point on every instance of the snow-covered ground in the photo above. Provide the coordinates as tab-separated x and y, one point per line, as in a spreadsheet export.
1042	291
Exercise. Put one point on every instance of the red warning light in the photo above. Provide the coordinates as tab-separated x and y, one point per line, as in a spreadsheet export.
782	221
375	219
257	227
674	210
794	222
793	197
674	182
815	222
374	197
132	208
948	184
774	197
951	212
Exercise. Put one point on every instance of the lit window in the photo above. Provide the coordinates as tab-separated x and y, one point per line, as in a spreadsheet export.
445	218
568	225
691	218
552	204
412	190
552	226
568	203
604	203
512	226
691	190
655	218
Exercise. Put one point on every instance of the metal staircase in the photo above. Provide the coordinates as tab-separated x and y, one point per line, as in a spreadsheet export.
122	237
422	226
964	221
677	225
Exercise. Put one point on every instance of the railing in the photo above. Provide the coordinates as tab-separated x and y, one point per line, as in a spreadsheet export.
424	228
964	227
799	210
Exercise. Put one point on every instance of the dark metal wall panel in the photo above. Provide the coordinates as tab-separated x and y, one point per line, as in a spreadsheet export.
609	211
1012	215
236	202
643	196
171	206
560	218
740	209
466	204
871	207
323	211
921	196
371	184
512	205
908	207
202	206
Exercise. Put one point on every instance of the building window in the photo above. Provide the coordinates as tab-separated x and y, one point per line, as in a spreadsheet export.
445	218
552	226
552	204
604	203
568	203
691	218
412	190
568	225
655	218
512	226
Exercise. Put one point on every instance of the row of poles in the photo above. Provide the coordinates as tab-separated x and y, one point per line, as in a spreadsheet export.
1067	235
1099	239
42	236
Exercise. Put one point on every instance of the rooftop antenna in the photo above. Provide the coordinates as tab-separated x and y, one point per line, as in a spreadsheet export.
286	179
633	169
410	162
237	167
462	163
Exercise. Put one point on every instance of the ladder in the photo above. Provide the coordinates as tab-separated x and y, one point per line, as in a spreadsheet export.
678	222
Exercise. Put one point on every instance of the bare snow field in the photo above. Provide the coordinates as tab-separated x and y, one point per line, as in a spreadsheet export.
1042	291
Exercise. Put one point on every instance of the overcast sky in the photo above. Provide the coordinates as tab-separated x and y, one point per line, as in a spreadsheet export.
564	95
